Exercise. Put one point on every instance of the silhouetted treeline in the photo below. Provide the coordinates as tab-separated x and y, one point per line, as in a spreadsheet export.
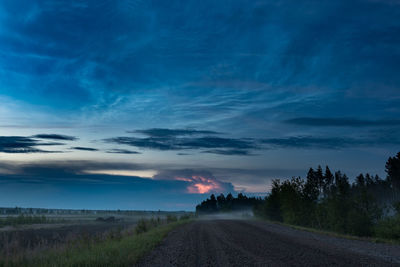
228	203
326	200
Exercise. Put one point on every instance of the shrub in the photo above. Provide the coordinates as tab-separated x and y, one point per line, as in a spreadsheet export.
185	217
171	218
388	228
141	227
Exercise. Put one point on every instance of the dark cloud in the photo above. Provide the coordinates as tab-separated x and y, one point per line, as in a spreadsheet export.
57	168
21	144
55	137
182	143
331	142
245	146
231	152
347	122
122	151
150	143
310	142
218	142
84	148
162	132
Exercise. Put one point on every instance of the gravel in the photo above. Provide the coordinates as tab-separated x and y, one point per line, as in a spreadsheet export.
258	243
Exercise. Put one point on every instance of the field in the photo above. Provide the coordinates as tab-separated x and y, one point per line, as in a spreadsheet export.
25	236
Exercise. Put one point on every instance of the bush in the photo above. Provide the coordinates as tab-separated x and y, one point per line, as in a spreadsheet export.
145	225
185	217
171	218
142	226
388	228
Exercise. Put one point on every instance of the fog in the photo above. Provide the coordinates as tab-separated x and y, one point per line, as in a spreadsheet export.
235	215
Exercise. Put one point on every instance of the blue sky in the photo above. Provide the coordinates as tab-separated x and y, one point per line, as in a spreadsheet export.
177	100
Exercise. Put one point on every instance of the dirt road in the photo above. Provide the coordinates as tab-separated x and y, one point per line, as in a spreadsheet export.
256	243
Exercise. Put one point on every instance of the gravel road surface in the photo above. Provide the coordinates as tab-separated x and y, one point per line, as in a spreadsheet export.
257	243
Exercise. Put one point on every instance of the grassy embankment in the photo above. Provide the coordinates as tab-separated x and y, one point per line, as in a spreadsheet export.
375	239
117	250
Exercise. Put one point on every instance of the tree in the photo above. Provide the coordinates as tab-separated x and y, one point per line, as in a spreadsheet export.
328	180
368	180
213	203
320	179
221	201
392	169
272	208
228	203
311	186
229	197
360	180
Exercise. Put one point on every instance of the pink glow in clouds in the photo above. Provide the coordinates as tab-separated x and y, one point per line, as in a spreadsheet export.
197	181
202	185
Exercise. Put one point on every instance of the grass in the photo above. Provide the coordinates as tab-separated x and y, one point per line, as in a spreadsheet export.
123	250
339	235
25	219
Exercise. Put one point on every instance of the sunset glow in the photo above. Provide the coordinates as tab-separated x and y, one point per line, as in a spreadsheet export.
202	185
200	189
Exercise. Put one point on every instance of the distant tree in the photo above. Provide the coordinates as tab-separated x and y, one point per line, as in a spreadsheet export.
228	203
229	197
360	180
213	203
368	180
221	202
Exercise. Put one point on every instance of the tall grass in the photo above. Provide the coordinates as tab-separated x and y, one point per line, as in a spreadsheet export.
118	248
24	219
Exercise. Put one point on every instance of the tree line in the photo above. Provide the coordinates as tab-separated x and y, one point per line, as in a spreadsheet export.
227	204
327	200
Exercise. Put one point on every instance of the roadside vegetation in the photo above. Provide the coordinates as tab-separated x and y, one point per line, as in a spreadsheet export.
120	247
367	207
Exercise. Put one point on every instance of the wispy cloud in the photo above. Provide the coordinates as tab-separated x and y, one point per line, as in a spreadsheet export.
310	142
122	151
317	142
84	148
169	139
230	152
55	137
345	122
162	132
21	144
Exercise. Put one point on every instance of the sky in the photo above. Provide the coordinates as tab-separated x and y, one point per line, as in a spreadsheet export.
154	105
